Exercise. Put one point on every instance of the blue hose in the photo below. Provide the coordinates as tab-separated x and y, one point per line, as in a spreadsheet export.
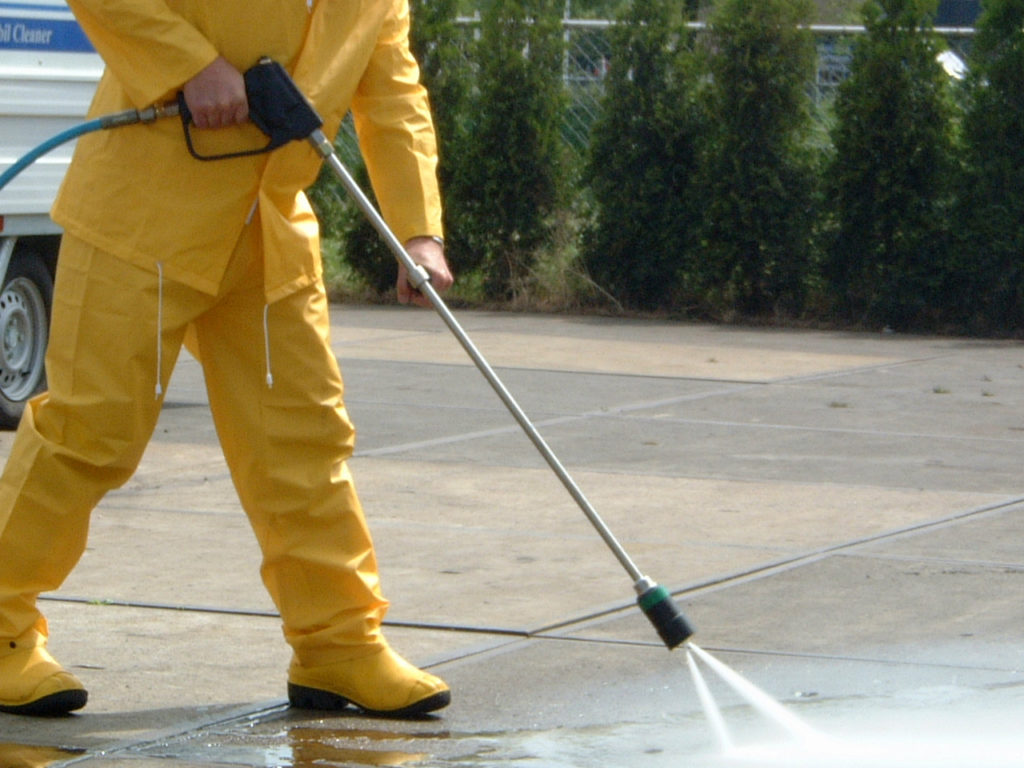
52	143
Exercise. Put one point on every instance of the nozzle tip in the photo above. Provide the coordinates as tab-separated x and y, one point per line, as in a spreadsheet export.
658	605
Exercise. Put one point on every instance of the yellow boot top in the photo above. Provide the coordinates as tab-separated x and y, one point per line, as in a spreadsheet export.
33	683
382	683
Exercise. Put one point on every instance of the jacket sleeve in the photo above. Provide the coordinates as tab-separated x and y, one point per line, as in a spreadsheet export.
149	48
396	132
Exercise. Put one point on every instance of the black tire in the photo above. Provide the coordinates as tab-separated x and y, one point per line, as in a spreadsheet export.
25	301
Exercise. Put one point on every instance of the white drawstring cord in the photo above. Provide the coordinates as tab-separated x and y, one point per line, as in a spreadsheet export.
159	329
266	345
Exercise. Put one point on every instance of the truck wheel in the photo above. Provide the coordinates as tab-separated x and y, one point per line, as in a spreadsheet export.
24	327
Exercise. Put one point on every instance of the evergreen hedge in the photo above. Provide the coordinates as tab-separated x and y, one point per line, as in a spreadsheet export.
706	191
509	183
892	173
989	259
757	172
642	160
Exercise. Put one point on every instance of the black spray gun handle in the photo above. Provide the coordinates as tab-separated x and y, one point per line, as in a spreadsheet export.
276	106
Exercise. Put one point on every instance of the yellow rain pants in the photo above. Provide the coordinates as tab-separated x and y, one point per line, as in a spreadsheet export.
286	444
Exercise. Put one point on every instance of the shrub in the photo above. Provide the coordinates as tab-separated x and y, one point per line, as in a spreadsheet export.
510	173
990	258
439	45
892	172
758	172
641	160
443	70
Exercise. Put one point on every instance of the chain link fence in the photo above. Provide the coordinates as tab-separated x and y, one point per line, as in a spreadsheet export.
588	54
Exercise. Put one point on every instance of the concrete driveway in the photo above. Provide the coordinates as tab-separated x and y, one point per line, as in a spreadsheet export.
840	515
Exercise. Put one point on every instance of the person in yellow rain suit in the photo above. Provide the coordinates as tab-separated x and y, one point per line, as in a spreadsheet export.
160	248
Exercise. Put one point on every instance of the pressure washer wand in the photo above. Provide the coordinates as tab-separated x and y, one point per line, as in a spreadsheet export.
283	113
654	600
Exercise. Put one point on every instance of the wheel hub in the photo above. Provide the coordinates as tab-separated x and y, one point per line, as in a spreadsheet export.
22	336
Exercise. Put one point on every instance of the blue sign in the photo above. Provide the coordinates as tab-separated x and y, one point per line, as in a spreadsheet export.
25	27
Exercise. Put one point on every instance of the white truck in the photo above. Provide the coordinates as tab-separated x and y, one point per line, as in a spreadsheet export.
48	73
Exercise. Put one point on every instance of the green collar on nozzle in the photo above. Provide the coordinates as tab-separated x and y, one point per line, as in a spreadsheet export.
658	605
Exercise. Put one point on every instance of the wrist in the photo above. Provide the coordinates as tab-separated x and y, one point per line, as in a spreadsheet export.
432	238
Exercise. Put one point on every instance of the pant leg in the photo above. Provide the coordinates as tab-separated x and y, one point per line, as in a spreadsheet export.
287	446
86	435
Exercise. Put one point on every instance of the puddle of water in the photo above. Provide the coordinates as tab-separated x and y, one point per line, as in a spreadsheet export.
935	727
889	740
25	756
921	728
306	755
934	750
932	727
983	732
313	747
297	747
943	727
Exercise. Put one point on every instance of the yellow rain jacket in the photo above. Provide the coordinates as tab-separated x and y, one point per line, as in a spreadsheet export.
137	193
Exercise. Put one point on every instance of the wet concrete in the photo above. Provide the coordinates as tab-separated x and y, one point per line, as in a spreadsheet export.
841	515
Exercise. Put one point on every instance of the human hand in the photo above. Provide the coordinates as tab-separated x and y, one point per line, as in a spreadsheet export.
216	96
429	254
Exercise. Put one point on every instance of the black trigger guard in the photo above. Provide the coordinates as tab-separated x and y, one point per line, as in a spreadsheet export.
276	106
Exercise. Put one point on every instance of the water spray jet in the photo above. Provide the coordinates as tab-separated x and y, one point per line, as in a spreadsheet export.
711	709
761	701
